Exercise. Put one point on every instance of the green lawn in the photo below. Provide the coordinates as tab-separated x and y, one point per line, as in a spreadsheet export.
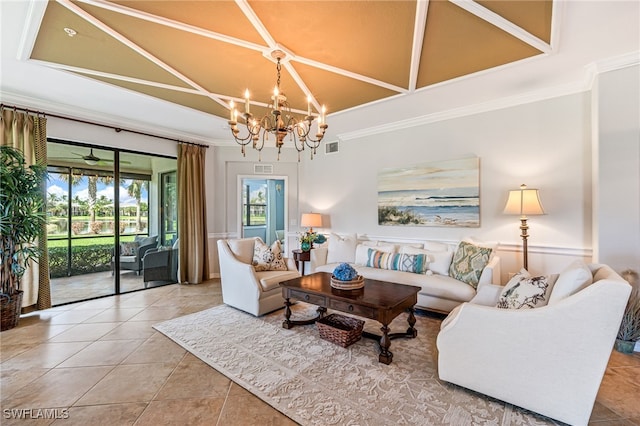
88	241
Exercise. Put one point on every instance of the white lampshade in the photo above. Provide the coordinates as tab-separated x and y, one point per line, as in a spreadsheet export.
311	219
524	202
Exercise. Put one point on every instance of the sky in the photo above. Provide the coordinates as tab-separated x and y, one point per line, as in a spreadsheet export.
59	187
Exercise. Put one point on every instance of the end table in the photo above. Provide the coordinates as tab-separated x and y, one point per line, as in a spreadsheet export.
301	256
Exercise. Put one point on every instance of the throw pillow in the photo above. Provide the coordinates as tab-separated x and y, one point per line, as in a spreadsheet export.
468	263
129	249
526	292
362	252
267	258
342	249
415	263
572	279
439	261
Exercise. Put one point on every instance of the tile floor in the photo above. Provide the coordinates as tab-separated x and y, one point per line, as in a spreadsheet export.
100	362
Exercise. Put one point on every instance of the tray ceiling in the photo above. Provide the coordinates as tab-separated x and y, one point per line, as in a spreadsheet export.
202	54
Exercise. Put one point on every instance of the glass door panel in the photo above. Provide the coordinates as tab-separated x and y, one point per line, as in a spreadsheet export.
136	236
87	178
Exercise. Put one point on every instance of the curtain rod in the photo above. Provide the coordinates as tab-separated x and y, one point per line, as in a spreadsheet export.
117	129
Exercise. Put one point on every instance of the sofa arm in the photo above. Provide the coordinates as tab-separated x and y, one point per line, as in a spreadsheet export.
491	272
487	295
318	257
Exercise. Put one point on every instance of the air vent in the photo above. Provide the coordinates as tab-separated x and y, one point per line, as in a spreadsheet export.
331	147
263	169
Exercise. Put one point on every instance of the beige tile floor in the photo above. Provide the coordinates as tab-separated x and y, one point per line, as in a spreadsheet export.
100	362
89	286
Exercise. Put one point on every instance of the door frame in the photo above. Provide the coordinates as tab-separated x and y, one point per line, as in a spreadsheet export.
239	190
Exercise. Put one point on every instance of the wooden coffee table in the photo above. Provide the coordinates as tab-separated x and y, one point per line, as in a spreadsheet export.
378	300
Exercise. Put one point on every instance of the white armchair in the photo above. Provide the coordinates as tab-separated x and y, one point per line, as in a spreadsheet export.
243	288
549	360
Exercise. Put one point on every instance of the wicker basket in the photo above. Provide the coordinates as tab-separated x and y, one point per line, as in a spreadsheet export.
354	284
10	311
339	329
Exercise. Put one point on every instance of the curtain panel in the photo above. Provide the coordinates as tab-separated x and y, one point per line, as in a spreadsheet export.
28	133
192	215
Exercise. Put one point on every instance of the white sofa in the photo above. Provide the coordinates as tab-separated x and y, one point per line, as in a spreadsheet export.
245	288
440	292
548	359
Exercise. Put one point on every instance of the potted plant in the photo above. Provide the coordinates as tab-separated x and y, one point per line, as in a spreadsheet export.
21	221
629	331
308	238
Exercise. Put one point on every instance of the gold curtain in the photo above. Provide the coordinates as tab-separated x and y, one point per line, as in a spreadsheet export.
28	133
192	215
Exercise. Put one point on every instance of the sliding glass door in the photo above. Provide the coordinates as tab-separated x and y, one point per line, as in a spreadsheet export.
103	207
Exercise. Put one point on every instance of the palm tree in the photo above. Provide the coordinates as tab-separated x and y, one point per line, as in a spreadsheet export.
135	190
93	193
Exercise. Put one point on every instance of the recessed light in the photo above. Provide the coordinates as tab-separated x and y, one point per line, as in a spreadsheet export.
70	32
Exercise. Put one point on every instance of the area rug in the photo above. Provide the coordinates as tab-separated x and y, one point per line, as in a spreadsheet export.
315	382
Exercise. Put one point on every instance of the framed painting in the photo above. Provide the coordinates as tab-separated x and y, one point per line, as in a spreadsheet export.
442	193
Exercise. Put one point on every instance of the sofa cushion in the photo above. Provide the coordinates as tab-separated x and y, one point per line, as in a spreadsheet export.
145	241
129	249
468	262
342	249
267	258
362	252
440	262
242	249
438	286
526	292
415	263
572	279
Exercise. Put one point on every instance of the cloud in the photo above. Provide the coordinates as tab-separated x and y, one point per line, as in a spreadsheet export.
125	199
55	189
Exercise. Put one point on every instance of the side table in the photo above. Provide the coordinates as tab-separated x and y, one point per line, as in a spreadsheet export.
301	256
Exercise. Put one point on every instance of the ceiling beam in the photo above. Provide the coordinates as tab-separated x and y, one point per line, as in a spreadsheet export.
122	39
181	26
505	25
418	39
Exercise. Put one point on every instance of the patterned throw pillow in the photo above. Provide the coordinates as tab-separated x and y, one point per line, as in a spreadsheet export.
416	263
128	249
267	258
526	292
468	263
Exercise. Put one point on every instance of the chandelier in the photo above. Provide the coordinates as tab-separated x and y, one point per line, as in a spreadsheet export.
279	122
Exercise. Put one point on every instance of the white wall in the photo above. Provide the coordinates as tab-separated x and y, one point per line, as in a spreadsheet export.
617	169
544	144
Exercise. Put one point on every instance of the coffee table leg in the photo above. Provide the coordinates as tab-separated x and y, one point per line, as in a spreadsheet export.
287	315
385	356
411	319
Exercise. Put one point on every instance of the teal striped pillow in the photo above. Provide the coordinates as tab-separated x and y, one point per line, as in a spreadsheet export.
416	263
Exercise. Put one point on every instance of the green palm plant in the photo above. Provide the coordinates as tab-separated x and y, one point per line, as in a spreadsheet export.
22	218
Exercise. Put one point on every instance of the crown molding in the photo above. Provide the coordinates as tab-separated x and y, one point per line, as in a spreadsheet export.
507	102
73	112
585	85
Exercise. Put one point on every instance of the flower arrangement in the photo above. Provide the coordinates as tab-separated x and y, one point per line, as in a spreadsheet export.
345	272
307	239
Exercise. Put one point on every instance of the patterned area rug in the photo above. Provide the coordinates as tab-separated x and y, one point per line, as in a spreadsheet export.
316	382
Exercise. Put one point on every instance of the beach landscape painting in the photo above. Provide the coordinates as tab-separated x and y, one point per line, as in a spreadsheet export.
442	193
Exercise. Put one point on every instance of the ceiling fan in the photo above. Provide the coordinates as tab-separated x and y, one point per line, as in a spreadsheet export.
91	159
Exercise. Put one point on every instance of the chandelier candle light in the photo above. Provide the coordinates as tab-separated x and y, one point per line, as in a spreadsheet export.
279	122
524	202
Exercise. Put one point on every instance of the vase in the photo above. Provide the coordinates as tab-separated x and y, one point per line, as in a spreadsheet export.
305	246
625	346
